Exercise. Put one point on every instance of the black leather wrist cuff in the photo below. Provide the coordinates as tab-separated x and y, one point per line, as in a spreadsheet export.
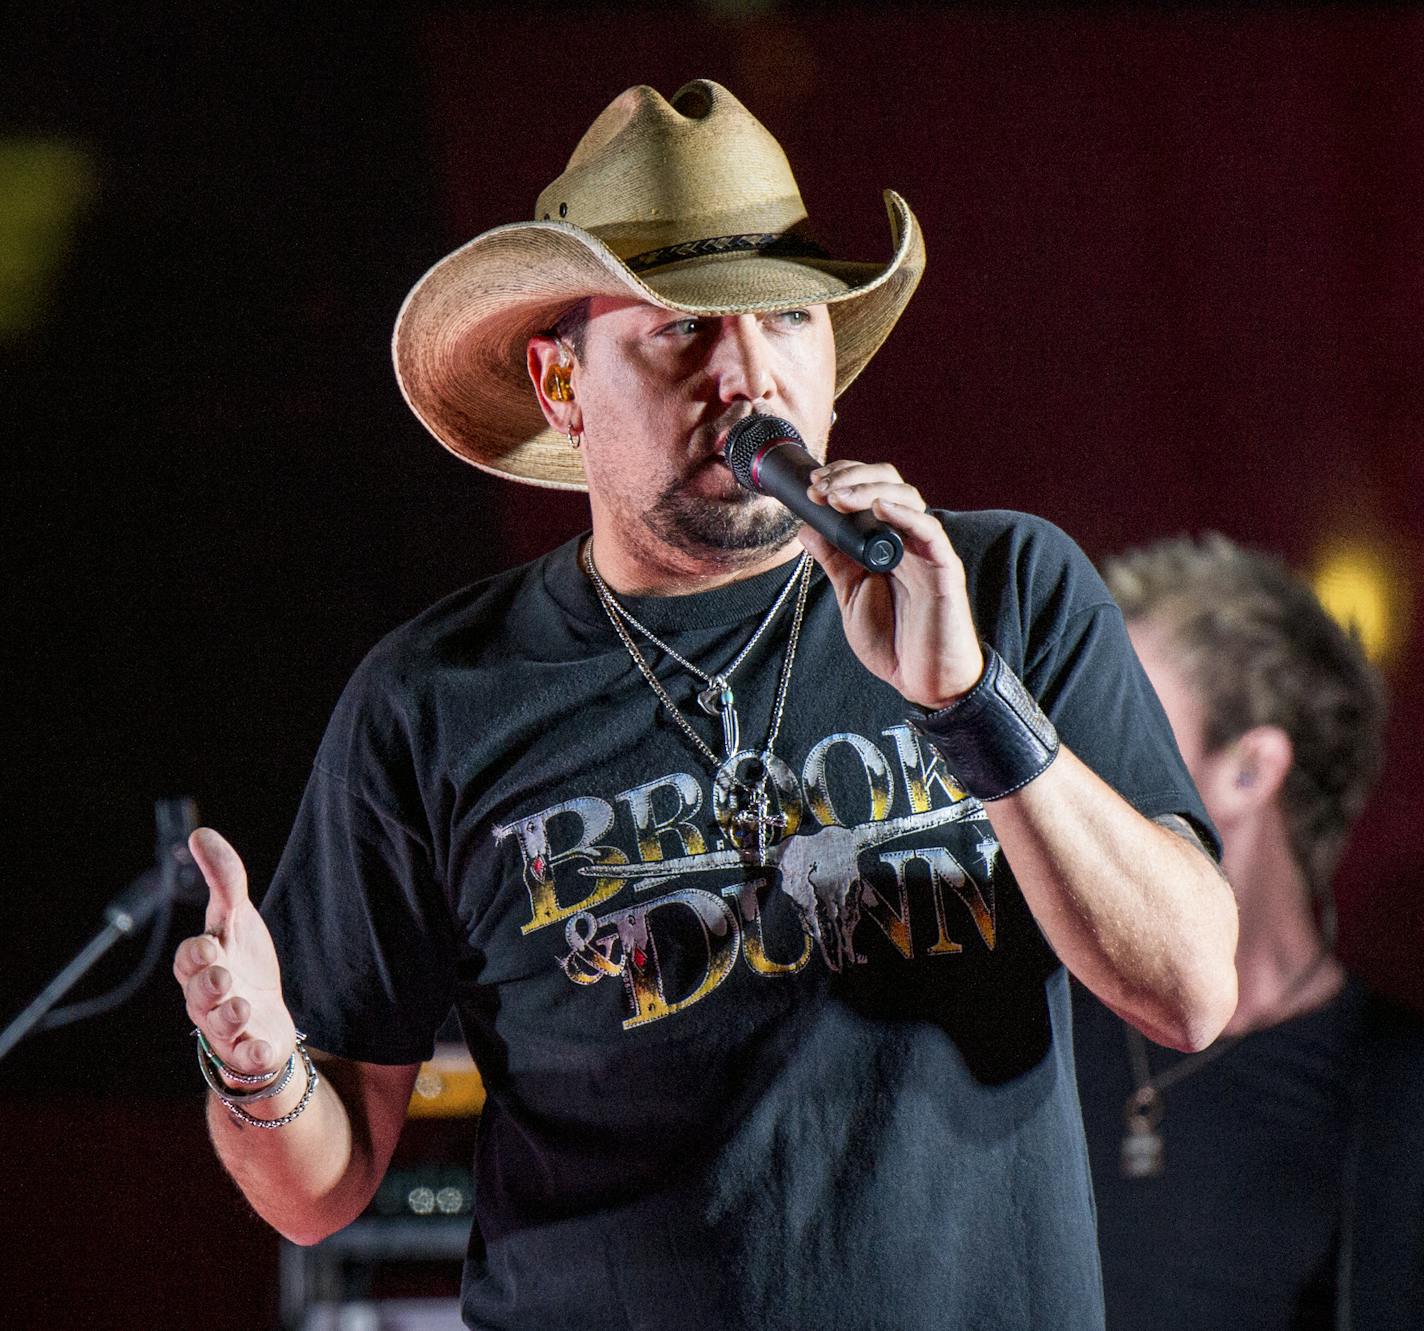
995	739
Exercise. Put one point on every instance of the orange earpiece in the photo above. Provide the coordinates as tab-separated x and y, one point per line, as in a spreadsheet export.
558	385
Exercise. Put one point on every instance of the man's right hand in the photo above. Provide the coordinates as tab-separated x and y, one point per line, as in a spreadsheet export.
229	974
320	1170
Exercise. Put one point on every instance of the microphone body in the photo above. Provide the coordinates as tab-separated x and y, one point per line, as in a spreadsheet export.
767	454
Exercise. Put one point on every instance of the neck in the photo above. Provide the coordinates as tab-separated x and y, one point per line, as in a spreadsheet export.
1282	966
632	569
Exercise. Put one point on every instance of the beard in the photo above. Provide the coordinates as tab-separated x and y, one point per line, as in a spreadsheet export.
737	529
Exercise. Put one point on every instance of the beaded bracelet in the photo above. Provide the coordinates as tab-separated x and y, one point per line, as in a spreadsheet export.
212	1067
252	1121
232	1074
210	1064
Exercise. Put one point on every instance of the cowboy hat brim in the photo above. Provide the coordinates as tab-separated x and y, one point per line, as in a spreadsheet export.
461	335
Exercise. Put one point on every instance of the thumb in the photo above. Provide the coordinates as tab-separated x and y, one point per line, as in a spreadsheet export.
226	878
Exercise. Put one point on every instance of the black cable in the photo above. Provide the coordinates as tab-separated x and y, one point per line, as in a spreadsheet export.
125	989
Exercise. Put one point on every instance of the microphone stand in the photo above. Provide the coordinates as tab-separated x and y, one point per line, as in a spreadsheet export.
174	876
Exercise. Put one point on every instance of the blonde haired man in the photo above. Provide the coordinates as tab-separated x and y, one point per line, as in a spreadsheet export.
1267	1181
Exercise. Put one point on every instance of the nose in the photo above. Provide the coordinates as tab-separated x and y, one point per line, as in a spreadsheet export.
741	360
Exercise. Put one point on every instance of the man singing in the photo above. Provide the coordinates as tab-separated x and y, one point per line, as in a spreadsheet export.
752	875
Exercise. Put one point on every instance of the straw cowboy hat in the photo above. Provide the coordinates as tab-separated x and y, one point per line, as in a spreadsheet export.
688	204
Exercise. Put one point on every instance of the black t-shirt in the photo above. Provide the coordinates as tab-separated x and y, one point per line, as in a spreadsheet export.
1241	1230
833	1092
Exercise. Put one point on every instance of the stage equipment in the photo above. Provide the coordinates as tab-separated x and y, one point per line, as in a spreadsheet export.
148	899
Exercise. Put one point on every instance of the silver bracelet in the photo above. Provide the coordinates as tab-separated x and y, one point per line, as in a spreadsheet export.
273	1083
252	1121
232	1074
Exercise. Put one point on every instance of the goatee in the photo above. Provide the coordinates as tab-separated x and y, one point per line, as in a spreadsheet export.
740	528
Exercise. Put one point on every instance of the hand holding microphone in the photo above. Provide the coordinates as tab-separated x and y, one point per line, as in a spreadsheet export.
767	454
915	630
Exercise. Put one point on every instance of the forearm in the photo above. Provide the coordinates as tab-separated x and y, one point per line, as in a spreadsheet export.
311	1176
1139	915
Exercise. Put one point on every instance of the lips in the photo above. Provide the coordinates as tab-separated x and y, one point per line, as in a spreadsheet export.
721	428
712	479
724	427
713	462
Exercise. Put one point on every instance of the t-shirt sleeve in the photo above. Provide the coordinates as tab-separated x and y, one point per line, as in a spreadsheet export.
356	909
1039	599
1092	685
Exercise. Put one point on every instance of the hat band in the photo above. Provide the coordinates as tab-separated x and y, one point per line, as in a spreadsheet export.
780	245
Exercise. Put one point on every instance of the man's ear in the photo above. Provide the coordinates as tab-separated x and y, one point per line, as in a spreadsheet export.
551	370
1249	772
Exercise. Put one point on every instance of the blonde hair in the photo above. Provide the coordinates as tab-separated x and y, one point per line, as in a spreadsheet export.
1259	648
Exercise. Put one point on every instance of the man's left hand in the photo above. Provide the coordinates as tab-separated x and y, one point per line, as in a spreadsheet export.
911	627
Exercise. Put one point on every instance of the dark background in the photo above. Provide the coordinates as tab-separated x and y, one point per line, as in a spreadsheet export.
1175	283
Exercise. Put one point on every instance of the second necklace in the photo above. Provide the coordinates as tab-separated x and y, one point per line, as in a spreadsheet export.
750	798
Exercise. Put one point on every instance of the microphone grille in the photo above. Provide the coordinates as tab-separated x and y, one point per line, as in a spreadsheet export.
748	437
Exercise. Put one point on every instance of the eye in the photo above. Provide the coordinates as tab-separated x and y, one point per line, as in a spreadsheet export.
795	318
688	327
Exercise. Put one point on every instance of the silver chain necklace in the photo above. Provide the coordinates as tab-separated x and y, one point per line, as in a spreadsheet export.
717	699
751	802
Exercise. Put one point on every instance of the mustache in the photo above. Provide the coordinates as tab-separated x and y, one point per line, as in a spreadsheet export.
714	431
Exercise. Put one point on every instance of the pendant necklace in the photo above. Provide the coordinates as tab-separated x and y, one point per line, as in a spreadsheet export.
1143	1153
750	798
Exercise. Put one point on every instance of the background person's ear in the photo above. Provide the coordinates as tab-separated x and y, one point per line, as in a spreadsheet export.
1247	774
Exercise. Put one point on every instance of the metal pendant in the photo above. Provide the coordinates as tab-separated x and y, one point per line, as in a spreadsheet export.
717	695
754	815
1142	1154
717	699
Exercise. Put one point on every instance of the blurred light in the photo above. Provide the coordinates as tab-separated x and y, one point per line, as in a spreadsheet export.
448	1085
358	1317
421	1200
429	1085
1362	589
450	1201
44	183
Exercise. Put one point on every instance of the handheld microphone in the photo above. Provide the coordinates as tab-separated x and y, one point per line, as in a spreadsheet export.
766	454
